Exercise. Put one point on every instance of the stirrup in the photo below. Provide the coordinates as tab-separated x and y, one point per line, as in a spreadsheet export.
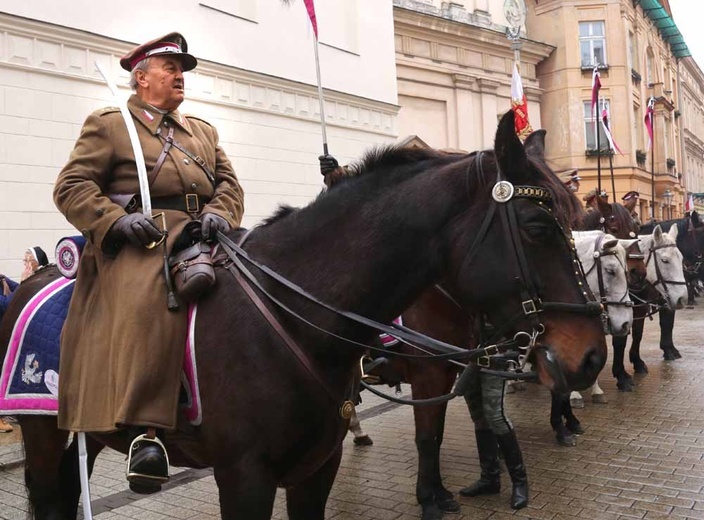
144	479
371	364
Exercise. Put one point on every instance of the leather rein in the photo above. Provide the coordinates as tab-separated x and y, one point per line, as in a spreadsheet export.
503	195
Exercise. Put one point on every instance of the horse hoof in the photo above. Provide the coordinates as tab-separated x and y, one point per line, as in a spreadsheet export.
675	352
599	399
577	403
668	355
448	505
625	385
364	440
566	440
575	427
430	512
640	368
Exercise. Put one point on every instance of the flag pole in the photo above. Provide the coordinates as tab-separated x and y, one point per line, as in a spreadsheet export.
598	143
652	163
320	98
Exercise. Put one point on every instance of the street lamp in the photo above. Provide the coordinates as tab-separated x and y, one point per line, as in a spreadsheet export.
668	195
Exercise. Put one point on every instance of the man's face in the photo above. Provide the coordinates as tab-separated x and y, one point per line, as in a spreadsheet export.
162	84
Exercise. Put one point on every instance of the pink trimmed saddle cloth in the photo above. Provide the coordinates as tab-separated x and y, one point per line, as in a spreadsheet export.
29	381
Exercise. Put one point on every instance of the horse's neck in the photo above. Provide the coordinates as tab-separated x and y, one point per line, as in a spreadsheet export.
373	258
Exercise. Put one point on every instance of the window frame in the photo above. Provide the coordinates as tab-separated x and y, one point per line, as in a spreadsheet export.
591	39
603	141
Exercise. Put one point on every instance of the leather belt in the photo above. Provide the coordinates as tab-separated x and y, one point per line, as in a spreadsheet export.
190	203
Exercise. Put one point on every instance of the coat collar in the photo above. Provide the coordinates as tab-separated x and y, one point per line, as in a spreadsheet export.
151	119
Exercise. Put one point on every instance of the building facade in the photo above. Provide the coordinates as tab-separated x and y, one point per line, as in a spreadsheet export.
692	117
454	64
256	83
636	63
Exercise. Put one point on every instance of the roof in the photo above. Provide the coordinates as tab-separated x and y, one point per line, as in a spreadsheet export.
662	19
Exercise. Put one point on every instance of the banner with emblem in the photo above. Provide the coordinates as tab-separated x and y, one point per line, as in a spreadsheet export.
519	105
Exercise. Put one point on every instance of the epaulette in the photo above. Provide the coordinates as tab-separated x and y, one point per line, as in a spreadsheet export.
107	110
189	116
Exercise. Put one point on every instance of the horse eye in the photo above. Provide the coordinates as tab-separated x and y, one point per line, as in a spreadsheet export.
611	271
665	260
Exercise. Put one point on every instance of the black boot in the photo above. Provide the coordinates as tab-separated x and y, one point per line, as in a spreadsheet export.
147	463
514	463
489	483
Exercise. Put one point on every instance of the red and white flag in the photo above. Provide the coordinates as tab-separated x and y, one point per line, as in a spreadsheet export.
311	14
519	105
596	85
607	130
689	205
649	114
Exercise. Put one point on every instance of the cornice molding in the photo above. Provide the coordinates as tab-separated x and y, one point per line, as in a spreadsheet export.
58	51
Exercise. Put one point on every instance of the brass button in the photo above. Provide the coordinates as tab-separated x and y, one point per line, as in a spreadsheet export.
100	212
85	233
194	186
186	161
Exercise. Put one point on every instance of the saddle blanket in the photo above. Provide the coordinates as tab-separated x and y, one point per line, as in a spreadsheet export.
29	381
386	339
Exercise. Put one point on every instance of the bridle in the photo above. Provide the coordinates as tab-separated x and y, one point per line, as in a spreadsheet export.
503	194
625	301
660	278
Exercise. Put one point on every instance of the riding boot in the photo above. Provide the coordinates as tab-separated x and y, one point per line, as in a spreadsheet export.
514	463
490	481
147	463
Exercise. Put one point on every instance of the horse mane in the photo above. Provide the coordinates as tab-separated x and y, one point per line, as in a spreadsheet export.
283	211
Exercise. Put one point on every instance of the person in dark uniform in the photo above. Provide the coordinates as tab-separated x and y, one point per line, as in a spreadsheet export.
630	202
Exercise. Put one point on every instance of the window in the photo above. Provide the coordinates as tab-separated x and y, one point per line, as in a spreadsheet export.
589	122
592	43
631	52
649	78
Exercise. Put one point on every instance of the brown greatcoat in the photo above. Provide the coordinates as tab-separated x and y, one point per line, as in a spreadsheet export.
121	349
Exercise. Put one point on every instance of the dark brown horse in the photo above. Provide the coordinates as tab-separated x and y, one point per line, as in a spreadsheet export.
408	219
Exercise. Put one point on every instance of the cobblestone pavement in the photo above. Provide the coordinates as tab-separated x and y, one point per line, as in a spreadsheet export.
641	457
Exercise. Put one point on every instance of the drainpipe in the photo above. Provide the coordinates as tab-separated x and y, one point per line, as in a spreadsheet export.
683	150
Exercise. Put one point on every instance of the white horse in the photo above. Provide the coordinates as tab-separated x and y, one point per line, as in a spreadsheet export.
664	265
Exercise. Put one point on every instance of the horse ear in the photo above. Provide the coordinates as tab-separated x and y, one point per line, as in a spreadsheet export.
604	207
657	234
510	154
610	243
535	144
630	204
694	217
673	232
626	243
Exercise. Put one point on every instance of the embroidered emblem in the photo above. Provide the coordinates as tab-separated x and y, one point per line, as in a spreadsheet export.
502	191
51	380
29	372
148	116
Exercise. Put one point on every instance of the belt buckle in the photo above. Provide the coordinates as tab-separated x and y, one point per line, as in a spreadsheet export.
192	203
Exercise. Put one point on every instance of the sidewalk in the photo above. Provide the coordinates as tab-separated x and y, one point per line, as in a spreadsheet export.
11	452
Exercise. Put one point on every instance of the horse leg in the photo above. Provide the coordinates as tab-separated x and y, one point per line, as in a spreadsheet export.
44	447
247	490
360	438
571	421
432	496
624	381
639	365
307	500
562	434
667	323
69	472
576	399
598	396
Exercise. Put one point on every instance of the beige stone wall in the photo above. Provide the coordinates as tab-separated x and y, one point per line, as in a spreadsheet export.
454	72
692	117
268	125
567	86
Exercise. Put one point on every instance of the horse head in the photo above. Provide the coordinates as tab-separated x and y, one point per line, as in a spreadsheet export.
604	261
664	266
536	288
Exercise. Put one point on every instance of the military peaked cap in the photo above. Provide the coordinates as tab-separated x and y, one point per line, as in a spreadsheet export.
630	195
172	44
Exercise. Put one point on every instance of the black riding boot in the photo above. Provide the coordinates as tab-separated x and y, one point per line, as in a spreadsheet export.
490	481
147	464
514	463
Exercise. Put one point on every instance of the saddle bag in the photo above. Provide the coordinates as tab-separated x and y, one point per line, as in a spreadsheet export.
192	271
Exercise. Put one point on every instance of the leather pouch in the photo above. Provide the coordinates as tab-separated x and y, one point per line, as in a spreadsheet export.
192	271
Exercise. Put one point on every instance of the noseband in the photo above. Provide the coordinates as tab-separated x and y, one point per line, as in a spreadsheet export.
658	272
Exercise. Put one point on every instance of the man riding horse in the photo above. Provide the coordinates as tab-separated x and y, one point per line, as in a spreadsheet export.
121	349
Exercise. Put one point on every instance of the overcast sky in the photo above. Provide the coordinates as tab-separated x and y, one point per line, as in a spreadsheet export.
688	17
